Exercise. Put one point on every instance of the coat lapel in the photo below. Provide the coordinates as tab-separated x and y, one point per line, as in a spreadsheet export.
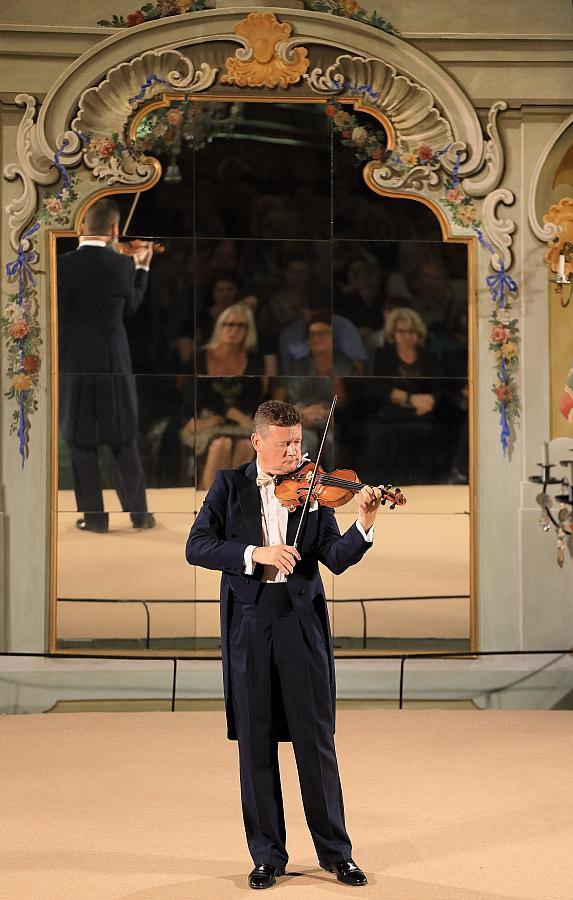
250	500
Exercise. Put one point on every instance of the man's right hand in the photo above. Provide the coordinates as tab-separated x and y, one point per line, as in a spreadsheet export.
283	557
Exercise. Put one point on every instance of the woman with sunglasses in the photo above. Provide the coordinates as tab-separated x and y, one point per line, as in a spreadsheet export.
227	398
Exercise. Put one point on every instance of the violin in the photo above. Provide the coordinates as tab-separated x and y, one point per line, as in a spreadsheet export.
129	248
330	488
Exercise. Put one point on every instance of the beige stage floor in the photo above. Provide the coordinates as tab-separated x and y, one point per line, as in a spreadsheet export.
441	805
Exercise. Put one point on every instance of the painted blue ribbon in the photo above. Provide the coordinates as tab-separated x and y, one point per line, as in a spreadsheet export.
485	244
21	266
456	170
60	166
22	429
153	79
505	429
498	283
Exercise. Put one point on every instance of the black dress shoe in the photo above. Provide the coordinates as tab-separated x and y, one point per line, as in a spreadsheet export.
101	528
145	521
347	872
264	876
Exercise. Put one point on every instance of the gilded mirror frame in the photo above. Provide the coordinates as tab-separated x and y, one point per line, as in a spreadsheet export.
367	170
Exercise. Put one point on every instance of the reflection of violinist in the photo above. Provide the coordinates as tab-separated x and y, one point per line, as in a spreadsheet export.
98	400
278	666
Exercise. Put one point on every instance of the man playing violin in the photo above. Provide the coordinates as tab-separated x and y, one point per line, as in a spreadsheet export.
97	289
278	666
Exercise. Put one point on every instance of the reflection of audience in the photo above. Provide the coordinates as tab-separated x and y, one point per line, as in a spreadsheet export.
360	296
313	395
226	404
427	288
347	344
287	304
98	398
405	445
224	291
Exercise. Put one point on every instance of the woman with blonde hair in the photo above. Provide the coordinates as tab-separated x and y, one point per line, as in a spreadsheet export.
228	397
406	436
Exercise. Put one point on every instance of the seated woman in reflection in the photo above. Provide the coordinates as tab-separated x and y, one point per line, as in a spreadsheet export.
315	378
405	443
222	430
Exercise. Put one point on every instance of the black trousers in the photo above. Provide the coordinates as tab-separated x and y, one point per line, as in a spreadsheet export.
128	479
280	666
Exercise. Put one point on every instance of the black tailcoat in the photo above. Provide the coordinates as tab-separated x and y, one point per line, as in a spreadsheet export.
228	522
97	288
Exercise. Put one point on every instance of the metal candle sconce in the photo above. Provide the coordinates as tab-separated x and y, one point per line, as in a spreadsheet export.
563	524
566	256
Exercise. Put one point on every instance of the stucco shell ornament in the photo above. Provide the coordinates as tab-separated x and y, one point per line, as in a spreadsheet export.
266	60
105	110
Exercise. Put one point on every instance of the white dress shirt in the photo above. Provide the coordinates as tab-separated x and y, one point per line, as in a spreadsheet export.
275	520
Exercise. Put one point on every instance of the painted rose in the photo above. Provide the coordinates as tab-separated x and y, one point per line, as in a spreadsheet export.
504	394
346	134
184	5
93	146
21	382
330	110
499	334
467	214
106	148
425	153
454	195
350	6
135	18
340	118
509	350
167	7
410	159
174	116
18	329
31	364
359	135
504	316
53	205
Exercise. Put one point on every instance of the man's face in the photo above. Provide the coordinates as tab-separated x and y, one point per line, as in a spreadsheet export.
279	449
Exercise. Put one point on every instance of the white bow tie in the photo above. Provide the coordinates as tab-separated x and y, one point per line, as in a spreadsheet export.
263	479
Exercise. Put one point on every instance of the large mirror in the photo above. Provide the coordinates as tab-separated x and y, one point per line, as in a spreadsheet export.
277	272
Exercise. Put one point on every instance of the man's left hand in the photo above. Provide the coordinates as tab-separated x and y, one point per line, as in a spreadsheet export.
142	256
369	500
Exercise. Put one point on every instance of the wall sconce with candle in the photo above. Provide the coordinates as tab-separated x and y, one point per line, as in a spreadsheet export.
563	523
559	255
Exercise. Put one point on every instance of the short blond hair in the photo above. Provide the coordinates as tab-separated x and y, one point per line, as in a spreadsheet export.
404	314
250	337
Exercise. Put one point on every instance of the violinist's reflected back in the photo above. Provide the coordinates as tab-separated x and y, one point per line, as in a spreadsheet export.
98	400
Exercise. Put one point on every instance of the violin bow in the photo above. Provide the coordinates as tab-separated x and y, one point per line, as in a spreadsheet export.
314	477
130	214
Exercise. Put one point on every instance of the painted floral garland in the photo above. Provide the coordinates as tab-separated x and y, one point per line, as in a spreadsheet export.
20	322
161	9
369	144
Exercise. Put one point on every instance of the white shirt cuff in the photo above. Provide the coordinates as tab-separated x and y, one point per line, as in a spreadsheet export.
248	564
145	268
369	535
